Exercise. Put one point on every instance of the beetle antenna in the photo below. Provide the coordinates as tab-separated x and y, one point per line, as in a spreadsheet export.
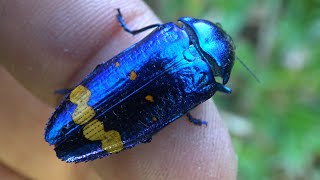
249	70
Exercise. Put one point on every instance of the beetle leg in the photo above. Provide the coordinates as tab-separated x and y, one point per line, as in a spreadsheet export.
195	121
62	91
148	140
133	32
223	88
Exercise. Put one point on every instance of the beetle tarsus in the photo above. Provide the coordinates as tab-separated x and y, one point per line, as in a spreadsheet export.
195	121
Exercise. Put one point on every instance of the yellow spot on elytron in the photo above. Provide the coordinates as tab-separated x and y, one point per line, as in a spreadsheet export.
112	143
83	113
110	140
149	98
133	75
117	64
94	130
154	119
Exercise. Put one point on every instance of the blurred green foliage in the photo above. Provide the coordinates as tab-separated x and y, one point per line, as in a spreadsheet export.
279	41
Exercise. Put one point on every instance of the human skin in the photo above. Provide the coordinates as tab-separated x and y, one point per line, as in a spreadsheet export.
47	45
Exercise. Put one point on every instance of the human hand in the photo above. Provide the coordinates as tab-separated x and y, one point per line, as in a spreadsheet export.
48	45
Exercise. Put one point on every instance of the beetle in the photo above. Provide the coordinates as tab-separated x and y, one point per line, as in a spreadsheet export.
126	100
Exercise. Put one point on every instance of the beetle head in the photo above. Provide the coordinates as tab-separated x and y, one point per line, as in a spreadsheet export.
215	45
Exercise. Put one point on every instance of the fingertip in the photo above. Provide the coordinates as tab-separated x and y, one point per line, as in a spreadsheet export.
50	45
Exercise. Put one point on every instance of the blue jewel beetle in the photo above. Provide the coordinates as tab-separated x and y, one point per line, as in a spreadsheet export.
126	100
